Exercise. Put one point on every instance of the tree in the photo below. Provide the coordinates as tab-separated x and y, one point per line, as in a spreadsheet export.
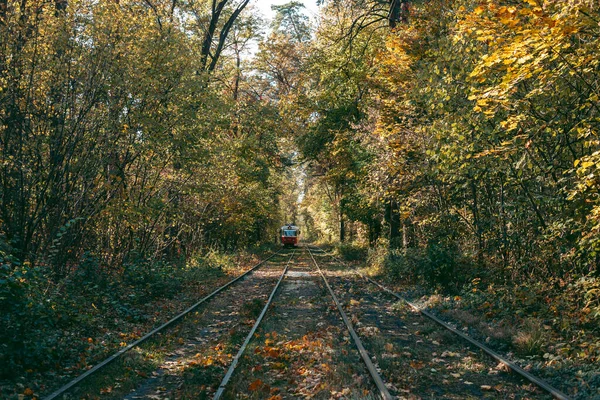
291	21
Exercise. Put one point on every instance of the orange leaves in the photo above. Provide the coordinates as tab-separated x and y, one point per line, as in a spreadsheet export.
142	374
273	352
106	390
216	357
268	351
257	368
259	386
256	385
208	361
273	334
302	363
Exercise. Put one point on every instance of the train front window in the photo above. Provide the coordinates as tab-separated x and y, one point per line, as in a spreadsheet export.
289	233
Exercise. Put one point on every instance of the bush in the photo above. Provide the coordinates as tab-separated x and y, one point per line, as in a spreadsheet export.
398	263
407	264
215	259
153	278
377	256
589	286
436	265
441	265
46	321
352	252
26	312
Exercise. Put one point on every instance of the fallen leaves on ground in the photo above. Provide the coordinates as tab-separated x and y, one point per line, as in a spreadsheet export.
256	385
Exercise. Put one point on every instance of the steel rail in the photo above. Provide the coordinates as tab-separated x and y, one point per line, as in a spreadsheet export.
383	390
496	356
240	352
148	335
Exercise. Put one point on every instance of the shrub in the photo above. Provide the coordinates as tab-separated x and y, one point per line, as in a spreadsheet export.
530	338
214	260
352	252
378	255
436	265
153	278
26	312
590	287
406	264
441	264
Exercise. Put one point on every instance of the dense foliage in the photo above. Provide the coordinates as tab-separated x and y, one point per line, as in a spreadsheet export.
454	143
460	149
466	138
132	140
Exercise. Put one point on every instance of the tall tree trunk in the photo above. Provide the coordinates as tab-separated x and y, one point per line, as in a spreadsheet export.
375	230
216	10
394	14
238	62
393	220
207	42
224	33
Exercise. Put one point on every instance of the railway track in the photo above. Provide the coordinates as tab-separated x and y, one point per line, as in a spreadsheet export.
240	352
305	348
299	326
424	351
164	332
191	368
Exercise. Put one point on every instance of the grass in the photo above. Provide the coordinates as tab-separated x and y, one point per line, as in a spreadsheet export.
530	339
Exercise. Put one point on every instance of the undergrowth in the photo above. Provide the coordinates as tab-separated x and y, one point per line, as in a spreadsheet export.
440	267
527	315
49	324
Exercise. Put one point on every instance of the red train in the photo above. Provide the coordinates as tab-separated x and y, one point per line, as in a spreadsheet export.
289	235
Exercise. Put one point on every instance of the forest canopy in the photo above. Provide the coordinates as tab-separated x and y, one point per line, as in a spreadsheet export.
449	142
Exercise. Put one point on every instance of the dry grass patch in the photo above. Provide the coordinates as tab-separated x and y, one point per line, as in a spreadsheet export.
530	338
464	317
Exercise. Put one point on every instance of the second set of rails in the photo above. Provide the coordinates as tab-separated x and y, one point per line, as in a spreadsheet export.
382	389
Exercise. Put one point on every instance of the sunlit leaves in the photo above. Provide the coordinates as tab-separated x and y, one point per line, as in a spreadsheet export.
485	106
